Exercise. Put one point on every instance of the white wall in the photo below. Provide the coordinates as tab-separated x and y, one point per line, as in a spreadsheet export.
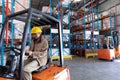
107	4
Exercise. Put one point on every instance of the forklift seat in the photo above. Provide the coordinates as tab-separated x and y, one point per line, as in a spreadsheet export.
44	66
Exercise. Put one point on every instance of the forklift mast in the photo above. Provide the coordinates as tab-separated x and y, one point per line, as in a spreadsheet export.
110	40
116	39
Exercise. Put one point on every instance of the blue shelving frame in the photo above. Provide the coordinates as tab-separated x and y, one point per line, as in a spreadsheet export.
12	27
58	16
2	49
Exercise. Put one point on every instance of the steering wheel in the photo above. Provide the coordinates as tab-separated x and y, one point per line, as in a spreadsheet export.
14	49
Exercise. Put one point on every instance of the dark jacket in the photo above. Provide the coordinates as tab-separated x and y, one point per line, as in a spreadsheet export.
40	50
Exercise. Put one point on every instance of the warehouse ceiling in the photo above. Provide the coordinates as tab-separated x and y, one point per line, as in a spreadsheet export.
38	4
76	5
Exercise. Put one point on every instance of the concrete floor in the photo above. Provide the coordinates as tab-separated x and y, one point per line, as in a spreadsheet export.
93	69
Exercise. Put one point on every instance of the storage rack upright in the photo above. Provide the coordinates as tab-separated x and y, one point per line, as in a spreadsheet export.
57	9
8	7
87	23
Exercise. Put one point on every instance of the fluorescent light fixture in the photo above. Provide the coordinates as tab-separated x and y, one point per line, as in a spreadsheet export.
71	0
67	1
39	18
76	0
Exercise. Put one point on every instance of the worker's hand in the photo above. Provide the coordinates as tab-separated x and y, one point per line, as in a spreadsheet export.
29	53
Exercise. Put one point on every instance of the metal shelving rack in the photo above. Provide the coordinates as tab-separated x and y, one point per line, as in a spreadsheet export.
59	12
88	24
6	9
98	26
84	32
93	17
111	24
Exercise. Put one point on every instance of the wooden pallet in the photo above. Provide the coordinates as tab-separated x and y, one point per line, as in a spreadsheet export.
90	55
57	57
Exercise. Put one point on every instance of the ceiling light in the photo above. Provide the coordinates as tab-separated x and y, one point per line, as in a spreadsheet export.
39	18
76	0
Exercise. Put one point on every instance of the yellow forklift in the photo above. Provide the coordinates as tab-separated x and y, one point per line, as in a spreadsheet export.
47	72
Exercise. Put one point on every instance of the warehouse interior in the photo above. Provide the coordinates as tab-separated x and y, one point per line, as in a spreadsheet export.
83	37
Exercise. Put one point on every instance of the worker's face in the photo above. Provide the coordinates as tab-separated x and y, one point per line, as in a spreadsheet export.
36	35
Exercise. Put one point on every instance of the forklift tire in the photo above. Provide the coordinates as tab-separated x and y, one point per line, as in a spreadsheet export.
116	57
113	59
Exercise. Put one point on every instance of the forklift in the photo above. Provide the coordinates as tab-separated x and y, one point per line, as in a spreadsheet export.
111	49
33	17
116	38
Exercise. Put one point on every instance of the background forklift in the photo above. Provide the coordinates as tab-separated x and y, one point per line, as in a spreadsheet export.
48	72
111	49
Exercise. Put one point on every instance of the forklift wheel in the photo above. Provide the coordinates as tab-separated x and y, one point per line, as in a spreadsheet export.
113	59
116	57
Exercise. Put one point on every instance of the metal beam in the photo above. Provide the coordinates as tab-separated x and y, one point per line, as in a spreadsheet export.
1	43
3	32
18	13
24	39
47	16
37	21
60	35
41	17
19	19
20	4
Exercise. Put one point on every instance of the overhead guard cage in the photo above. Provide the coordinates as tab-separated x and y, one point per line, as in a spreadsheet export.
32	17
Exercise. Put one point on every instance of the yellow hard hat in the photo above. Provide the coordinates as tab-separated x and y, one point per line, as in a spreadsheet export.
36	29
